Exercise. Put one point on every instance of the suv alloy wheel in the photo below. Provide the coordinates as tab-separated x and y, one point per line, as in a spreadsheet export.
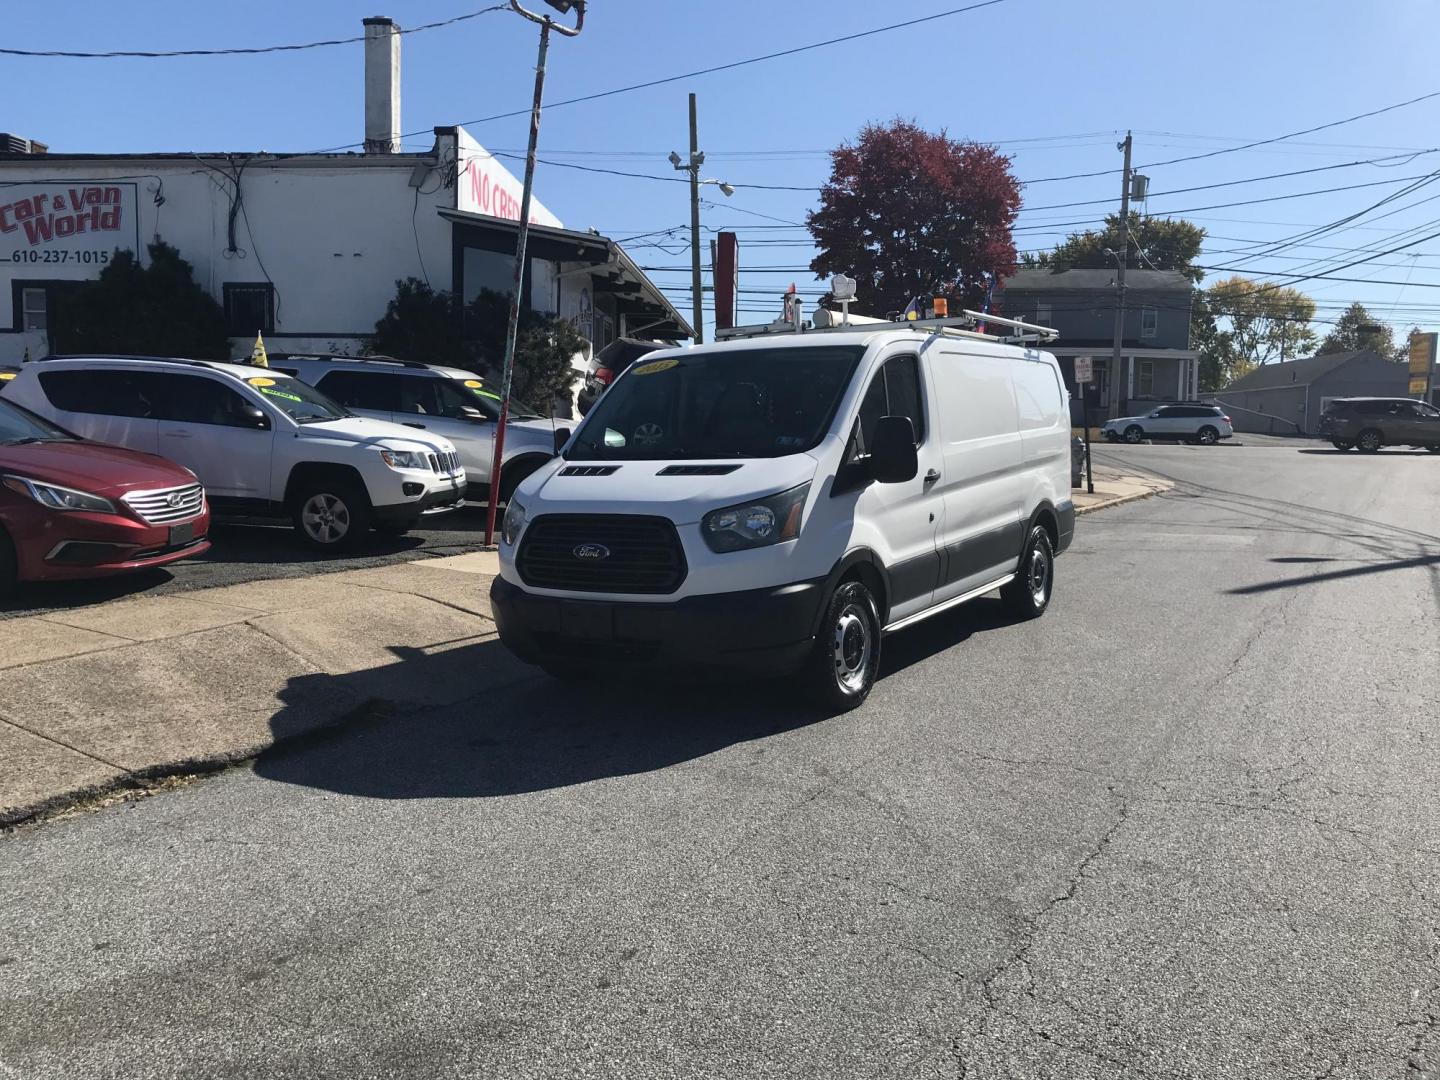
1134	433
331	516
1370	440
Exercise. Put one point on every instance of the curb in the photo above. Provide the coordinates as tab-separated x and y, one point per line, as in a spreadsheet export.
1119	500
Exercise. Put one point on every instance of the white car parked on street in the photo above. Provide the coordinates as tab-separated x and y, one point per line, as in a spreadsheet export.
1186	421
450	402
261	442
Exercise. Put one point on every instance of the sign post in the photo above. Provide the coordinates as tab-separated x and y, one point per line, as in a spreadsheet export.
1422	363
1084	372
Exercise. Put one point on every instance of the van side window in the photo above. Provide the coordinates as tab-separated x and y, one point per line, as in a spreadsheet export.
895	391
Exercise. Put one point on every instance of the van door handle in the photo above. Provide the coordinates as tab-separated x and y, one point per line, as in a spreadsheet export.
408	424
931	477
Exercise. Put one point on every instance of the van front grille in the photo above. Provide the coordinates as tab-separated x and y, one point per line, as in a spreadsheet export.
168	505
608	553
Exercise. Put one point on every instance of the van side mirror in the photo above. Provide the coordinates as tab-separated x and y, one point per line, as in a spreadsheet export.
562	436
893	459
470	412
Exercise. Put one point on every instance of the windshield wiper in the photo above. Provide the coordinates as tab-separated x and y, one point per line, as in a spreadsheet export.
317	419
24	440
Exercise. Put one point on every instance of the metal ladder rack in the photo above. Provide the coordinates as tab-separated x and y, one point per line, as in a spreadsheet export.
962	325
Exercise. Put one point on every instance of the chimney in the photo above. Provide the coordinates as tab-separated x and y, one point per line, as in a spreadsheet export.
382	86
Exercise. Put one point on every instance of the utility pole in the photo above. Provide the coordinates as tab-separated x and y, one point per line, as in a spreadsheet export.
1120	271
696	306
508	370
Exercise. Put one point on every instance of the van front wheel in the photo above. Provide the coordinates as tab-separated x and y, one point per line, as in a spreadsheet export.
841	670
1028	595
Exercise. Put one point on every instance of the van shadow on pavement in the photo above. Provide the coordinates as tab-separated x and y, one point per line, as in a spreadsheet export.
533	733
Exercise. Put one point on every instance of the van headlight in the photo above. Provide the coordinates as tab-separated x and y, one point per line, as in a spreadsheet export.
513	523
405	459
755	524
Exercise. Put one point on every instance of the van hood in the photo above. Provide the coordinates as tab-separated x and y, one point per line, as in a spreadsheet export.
646	487
365	431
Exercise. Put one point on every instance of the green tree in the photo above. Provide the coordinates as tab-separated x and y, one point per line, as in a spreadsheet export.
155	310
432	326
1215	346
1261	323
1150	244
1357	329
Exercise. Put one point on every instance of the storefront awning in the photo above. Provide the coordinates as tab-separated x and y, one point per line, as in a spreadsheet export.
648	313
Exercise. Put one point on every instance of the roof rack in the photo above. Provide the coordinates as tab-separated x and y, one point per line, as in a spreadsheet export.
962	325
338	358
120	358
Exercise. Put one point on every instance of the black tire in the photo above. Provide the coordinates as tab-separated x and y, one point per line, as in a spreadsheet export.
9	569
1369	441
1208	435
841	670
1028	595
514	474
1134	433
331	515
1342	444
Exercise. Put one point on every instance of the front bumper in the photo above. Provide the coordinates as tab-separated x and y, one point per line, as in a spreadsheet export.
760	631
435	501
52	546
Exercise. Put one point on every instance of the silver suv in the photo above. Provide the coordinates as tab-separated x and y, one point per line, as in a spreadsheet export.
1188	421
450	402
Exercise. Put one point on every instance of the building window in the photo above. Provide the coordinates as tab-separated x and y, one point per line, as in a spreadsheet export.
491	271
545	287
32	309
249	308
1149	322
1042	314
1145	379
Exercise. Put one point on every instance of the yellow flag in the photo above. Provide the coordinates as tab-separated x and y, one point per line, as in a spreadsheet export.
257	354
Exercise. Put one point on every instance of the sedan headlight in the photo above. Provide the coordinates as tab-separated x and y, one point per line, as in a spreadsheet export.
55	497
755	524
405	459
513	523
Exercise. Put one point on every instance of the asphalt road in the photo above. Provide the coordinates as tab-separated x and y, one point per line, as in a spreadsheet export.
1186	825
254	550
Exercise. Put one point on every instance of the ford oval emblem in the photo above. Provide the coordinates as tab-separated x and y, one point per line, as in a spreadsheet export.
591	551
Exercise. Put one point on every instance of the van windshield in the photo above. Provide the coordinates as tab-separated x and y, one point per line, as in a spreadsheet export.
753	403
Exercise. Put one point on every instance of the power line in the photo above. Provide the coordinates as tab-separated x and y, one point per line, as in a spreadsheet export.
149	55
710	70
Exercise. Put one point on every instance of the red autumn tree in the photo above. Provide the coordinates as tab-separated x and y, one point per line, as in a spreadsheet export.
907	213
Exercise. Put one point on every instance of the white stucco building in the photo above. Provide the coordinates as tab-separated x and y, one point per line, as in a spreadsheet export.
307	248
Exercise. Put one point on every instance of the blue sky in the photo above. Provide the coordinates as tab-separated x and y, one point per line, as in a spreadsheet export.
1053	82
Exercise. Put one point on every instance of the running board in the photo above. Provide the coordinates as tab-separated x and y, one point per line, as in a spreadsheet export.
954	601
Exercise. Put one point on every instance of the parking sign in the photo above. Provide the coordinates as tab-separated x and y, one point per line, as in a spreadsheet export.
1084	369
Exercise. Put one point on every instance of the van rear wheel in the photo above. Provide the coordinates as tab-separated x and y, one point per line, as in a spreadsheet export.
1028	594
841	670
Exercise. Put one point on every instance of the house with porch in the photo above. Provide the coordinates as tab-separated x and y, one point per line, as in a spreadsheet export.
1156	361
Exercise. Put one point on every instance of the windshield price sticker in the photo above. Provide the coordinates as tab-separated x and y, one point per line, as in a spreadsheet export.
655	366
261	382
279	393
474	384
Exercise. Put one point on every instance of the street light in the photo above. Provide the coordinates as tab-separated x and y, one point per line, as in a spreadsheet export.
508	370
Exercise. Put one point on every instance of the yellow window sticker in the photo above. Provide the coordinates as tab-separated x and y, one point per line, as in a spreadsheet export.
655	366
6	376
261	382
473	384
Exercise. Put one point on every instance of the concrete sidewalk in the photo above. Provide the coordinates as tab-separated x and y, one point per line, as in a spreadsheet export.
114	696
1115	486
106	697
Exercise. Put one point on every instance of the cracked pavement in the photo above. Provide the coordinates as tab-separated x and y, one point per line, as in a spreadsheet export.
1185	826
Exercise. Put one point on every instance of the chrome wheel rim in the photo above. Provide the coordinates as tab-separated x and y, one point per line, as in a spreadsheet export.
325	518
852	647
1039	576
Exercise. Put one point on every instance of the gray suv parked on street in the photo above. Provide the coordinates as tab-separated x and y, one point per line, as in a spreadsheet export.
1370	423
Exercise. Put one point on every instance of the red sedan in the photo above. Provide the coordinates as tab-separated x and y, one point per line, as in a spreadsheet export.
76	509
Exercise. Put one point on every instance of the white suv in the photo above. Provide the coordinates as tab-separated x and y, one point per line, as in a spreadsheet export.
261	442
451	402
1187	421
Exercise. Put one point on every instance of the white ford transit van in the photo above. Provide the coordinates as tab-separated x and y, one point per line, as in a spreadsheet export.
778	502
